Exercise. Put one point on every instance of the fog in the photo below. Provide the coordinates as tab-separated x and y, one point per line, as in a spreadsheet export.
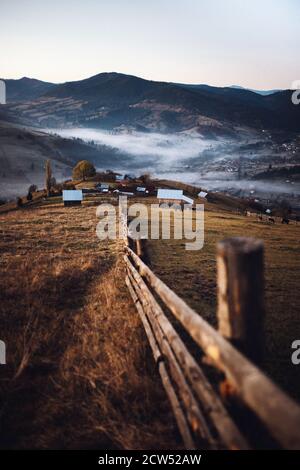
185	157
159	150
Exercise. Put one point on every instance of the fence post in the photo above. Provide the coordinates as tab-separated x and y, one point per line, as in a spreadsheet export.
240	280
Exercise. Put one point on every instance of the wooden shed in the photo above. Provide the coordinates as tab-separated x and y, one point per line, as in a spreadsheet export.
72	197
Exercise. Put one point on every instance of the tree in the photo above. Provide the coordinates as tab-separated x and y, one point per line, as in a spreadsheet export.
48	177
32	188
285	208
53	182
145	178
83	170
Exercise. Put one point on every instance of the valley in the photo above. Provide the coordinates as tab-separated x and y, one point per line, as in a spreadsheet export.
227	139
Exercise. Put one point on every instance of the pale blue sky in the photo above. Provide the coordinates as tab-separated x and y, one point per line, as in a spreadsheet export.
251	43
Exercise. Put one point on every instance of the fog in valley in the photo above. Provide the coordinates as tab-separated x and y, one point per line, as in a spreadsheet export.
157	153
185	157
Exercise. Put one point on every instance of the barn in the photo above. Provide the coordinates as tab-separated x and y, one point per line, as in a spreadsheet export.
173	196
169	196
72	197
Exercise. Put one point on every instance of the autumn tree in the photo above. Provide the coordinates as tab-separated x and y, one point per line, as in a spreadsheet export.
84	169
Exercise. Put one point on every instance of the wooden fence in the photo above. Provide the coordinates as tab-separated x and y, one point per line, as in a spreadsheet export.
220	398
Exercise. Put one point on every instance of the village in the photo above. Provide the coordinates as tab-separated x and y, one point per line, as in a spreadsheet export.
168	193
90	186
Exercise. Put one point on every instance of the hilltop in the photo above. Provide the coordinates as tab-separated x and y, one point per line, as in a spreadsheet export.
26	89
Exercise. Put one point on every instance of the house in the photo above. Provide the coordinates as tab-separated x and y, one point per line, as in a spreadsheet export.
88	190
72	197
202	194
141	190
119	177
129	177
172	196
103	187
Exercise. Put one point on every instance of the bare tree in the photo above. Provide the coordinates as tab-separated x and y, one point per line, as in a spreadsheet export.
48	177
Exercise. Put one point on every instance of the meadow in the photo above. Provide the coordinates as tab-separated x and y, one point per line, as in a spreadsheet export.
192	275
79	370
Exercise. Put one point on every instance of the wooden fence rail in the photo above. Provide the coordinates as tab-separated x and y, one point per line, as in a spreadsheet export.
200	412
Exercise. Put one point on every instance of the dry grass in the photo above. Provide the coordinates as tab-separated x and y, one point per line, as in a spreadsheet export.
79	372
193	276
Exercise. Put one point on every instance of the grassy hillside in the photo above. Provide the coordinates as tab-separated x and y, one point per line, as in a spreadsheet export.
23	153
193	276
79	372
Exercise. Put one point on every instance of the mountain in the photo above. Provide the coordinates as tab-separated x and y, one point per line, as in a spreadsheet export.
111	100
260	92
107	88
26	89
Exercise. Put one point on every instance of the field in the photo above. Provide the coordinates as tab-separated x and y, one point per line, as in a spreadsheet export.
192	275
79	371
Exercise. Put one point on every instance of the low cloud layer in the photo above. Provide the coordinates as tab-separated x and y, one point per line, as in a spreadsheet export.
169	147
176	157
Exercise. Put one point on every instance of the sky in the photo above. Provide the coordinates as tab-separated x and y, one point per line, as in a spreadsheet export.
251	43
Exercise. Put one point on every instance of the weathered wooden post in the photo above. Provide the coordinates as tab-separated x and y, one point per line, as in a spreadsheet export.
141	249
240	278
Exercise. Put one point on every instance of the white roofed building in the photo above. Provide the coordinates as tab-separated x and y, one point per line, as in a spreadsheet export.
170	194
173	196
72	197
103	187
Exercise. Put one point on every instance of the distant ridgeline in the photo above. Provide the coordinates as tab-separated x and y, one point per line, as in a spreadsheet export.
109	100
